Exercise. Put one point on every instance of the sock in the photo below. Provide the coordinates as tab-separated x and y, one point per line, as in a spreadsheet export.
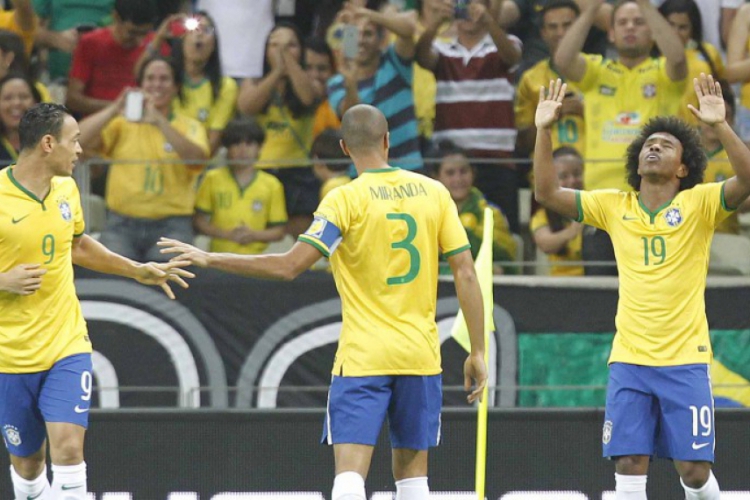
630	487
413	488
348	486
709	491
36	488
69	482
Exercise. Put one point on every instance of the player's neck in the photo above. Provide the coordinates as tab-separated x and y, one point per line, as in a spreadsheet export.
31	173
654	195
370	162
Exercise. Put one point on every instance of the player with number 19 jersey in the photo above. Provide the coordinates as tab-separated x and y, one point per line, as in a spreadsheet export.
383	233
665	250
40	329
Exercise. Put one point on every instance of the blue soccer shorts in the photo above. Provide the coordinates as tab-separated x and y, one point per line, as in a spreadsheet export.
29	400
358	406
665	412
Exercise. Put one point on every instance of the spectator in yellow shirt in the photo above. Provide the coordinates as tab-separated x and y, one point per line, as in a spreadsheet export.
155	163
242	209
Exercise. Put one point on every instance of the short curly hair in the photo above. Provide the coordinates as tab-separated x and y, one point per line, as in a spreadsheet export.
693	155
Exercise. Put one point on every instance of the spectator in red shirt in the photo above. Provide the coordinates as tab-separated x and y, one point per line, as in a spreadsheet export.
104	59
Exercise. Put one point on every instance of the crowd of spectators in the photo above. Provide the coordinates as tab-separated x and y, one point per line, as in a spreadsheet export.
238	140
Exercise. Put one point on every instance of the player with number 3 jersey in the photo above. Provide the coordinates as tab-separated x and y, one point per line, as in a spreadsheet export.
659	400
383	234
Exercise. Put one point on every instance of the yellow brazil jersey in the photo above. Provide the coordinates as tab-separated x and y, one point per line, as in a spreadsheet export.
288	139
619	102
325	118
569	130
662	260
146	179
40	329
258	205
333	183
572	250
199	104
697	64
719	169
383	233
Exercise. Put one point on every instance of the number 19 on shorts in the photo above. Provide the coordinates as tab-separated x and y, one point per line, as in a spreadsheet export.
702	420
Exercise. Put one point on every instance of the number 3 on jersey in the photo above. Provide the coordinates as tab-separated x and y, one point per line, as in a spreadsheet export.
406	244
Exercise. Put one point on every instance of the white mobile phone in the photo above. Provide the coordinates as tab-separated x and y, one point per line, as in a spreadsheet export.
134	106
350	41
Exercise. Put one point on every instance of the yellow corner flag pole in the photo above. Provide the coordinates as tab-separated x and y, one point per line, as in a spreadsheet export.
460	333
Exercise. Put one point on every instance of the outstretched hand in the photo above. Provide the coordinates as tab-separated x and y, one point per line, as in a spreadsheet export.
161	273
187	254
475	372
712	109
548	109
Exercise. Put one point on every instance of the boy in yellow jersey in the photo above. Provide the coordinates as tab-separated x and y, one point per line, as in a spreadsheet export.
622	94
659	400
383	233
45	351
242	209
330	164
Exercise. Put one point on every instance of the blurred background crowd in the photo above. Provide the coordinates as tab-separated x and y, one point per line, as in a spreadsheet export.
218	119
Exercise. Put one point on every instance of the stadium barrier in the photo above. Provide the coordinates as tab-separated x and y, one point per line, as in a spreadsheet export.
275	455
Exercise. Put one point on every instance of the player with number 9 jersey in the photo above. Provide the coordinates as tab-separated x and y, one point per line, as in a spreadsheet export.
383	233
41	328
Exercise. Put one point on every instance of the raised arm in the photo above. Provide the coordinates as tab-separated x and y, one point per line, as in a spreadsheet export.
667	40
712	112
24	14
402	24
425	55
738	64
509	52
569	59
92	126
547	190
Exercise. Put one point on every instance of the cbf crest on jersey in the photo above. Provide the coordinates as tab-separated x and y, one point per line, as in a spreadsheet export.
65	211
257	206
673	217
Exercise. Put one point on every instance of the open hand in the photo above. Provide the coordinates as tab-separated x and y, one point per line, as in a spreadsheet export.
548	109
712	109
475	371
185	253
161	273
24	279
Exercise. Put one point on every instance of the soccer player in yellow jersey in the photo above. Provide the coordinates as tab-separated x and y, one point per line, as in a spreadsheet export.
45	351
621	95
659	400
383	233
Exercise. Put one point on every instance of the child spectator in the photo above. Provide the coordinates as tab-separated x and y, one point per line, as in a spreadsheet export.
330	164
242	209
319	65
554	235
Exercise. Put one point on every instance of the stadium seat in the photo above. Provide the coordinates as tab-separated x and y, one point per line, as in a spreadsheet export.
730	255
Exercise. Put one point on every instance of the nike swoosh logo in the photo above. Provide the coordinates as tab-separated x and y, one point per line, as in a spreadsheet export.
16	221
65	487
697	446
78	409
625	217
32	498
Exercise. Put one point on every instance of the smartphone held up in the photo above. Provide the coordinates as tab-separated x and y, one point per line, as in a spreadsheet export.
461	9
350	41
134	106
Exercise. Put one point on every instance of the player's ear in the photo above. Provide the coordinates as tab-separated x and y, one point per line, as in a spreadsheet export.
47	142
343	147
682	171
387	141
